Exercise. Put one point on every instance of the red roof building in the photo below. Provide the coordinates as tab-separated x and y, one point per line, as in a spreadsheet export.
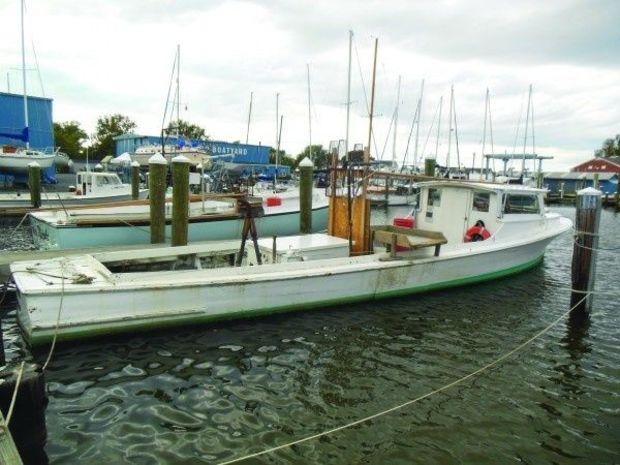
599	165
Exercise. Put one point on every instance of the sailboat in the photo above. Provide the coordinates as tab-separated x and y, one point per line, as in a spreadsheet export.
14	159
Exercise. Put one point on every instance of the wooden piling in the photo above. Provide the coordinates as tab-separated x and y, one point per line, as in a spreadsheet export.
157	197
180	200
34	183
617	197
135	180
386	192
306	169
27	423
429	167
595	182
587	219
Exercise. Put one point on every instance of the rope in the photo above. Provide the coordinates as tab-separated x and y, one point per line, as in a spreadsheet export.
410	402
597	249
62	295
20	223
14	397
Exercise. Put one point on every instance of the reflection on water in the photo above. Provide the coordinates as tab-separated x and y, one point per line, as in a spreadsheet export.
214	392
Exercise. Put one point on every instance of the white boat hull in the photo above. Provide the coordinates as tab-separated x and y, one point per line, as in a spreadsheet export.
18	164
125	303
62	200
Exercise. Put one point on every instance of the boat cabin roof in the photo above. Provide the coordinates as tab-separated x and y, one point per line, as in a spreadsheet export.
492	187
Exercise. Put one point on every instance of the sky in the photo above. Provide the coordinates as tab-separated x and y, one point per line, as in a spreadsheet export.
98	57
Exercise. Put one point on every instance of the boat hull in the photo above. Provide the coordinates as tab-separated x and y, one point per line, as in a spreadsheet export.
50	200
18	164
127	307
50	236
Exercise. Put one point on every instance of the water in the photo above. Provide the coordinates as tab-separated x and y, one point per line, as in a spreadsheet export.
209	393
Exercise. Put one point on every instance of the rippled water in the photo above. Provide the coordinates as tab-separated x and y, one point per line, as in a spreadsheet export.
215	392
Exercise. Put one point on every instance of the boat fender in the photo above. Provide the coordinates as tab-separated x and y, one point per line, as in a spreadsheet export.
477	233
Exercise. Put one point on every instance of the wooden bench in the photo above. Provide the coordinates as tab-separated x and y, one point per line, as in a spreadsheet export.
411	239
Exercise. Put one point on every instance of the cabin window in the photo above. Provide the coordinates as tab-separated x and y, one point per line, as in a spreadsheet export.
521	203
434	198
481	201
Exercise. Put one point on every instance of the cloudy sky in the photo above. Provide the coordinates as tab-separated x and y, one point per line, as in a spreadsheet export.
104	56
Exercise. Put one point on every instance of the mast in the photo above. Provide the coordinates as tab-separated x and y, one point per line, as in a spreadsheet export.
8	83
396	122
275	176
456	135
527	120
438	127
417	129
346	138
247	133
450	129
372	110
277	121
178	91
484	131
26	123
309	115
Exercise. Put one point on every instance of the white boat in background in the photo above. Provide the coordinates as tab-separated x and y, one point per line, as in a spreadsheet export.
214	219
91	187
15	160
466	233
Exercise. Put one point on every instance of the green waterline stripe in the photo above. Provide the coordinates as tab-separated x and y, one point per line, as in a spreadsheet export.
105	329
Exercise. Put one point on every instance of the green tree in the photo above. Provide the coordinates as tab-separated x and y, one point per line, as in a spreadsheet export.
320	157
68	136
611	148
283	158
187	130
108	127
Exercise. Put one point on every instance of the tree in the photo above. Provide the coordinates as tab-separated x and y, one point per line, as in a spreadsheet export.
611	148
320	157
68	136
283	158
187	130
108	127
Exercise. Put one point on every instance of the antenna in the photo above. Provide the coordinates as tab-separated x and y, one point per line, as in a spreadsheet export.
247	133
309	115
438	127
417	130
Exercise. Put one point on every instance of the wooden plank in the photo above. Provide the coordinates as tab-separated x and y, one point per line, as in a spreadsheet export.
8	450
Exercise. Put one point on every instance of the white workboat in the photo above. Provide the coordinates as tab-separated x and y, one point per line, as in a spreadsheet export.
150	288
129	225
91	188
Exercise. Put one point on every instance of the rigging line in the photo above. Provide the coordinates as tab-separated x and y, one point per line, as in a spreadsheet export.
387	136
417	399
413	123
18	381
430	129
359	66
514	146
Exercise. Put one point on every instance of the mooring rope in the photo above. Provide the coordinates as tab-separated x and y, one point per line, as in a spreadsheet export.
9	414
62	295
413	401
596	249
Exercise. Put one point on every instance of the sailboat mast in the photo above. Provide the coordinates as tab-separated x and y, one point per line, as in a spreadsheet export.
396	122
247	132
438	127
417	128
277	121
372	110
484	130
346	137
26	123
450	128
309	114
527	120
178	90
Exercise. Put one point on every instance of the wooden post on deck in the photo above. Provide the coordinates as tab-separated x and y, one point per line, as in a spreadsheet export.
429	167
158	167
180	200
306	169
27	424
587	218
135	180
34	183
